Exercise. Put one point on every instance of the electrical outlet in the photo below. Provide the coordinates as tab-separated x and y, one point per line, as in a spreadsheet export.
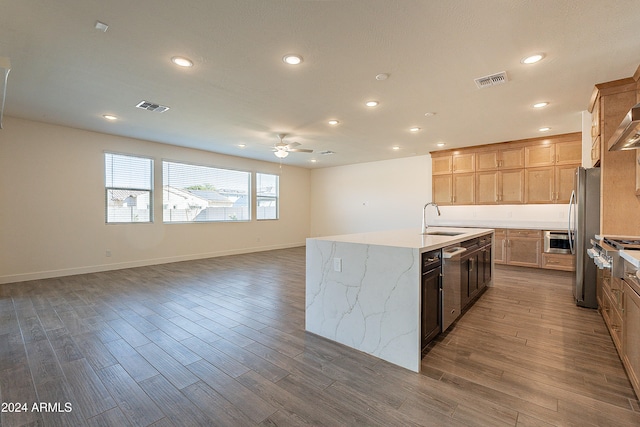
337	264
108	253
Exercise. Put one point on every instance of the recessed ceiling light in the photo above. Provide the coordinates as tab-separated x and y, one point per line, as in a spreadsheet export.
540	104
395	148
532	59
242	145
414	129
181	61
441	144
333	122
429	114
382	76
544	129
313	160
110	117
371	103
292	59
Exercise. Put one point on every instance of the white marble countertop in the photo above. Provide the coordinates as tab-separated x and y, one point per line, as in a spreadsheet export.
632	256
409	238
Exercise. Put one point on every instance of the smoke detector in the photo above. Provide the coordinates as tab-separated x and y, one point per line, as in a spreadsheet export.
492	80
151	106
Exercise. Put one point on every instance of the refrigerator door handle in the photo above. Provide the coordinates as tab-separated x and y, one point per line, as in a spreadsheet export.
572	209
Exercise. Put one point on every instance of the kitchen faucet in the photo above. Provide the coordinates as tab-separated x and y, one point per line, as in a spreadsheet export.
424	215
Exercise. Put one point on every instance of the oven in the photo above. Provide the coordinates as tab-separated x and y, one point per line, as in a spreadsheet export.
556	242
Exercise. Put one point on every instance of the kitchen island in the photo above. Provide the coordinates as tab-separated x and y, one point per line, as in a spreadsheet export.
364	290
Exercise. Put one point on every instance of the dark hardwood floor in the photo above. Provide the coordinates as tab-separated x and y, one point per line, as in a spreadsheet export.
222	342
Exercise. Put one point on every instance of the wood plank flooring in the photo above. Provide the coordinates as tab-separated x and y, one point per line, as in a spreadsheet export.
222	342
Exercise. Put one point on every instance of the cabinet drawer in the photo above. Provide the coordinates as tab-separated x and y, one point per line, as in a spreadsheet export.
524	233
559	262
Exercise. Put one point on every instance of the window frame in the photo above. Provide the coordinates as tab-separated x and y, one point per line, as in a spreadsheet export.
202	165
107	188
276	198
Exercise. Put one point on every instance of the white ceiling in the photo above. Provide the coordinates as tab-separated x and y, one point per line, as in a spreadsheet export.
239	91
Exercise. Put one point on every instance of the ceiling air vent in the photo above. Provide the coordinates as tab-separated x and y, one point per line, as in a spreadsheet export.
492	80
327	152
157	108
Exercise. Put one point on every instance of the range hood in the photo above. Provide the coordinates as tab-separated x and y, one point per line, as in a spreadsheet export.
627	135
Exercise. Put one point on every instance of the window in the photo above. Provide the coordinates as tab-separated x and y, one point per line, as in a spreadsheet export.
267	196
128	188
192	193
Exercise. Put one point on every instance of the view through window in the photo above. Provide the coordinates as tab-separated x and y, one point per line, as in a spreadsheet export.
194	193
267	193
128	188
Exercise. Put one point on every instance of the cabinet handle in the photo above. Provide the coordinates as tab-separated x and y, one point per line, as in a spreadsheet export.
471	264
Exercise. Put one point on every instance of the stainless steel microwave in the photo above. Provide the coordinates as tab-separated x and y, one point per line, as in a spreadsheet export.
556	242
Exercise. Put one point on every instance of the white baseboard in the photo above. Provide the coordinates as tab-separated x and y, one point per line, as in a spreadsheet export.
48	274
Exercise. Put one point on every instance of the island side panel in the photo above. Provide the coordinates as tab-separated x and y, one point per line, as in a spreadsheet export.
372	305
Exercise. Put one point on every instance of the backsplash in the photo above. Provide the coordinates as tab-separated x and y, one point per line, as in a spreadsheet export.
552	216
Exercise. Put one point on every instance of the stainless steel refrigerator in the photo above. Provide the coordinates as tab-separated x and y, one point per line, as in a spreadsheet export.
584	223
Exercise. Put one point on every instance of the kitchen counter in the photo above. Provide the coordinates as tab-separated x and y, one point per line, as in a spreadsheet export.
632	256
363	290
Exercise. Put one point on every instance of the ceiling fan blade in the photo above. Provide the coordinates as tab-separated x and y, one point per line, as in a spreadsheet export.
293	144
300	150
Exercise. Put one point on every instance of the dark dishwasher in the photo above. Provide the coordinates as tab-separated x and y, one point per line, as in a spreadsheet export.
431	295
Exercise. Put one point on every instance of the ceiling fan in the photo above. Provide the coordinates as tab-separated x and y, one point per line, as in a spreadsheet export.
282	149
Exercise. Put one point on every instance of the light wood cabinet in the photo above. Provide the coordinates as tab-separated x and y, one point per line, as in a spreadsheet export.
441	164
464	163
564	182
506	158
464	189
442	189
456	189
565	262
552	184
500	187
526	171
543	154
539	185
631	336
524	247
500	246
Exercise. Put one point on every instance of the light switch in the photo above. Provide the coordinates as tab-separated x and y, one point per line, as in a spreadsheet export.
337	264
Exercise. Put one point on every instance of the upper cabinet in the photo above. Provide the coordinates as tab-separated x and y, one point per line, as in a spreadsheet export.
504	158
538	170
464	162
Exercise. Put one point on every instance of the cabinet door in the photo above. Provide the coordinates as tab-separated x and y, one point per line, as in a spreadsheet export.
500	246
487	160
512	158
430	325
564	177
442	189
441	165
464	189
539	185
523	251
464	163
569	152
539	155
487	188
631	336
512	186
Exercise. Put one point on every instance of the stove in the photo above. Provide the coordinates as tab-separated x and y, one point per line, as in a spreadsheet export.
623	243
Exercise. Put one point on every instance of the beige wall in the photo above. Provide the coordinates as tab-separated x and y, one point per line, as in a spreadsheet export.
373	196
52	206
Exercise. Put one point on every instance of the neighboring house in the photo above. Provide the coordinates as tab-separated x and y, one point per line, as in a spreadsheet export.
200	205
213	198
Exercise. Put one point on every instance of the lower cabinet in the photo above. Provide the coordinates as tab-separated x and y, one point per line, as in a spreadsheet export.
524	247
631	336
564	262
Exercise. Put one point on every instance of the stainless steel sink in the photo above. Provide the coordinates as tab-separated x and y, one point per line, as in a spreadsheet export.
443	233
